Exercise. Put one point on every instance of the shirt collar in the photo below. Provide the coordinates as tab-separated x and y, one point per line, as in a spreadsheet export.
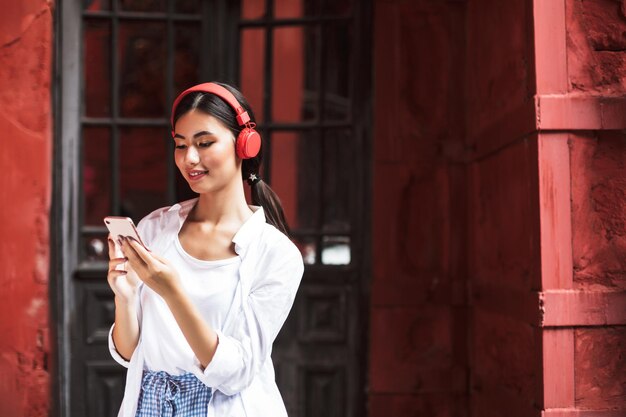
246	234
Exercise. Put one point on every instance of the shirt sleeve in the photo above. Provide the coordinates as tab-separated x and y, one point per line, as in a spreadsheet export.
241	353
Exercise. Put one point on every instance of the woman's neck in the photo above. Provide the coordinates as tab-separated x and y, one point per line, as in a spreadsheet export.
224	206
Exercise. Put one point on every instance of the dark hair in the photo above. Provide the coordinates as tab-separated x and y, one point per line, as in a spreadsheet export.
262	194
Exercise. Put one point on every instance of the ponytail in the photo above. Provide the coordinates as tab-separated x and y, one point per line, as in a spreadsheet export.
264	196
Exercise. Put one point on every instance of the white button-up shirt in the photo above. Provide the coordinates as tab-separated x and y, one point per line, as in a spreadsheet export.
241	373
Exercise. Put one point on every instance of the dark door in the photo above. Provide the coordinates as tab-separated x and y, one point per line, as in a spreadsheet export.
305	70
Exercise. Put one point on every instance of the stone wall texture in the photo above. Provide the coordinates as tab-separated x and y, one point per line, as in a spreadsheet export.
25	158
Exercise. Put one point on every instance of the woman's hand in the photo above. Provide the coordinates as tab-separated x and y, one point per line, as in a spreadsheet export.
155	271
123	282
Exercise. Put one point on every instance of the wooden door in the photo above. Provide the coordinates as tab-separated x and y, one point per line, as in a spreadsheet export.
121	63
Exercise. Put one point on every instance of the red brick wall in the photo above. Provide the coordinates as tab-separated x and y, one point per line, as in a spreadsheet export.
25	156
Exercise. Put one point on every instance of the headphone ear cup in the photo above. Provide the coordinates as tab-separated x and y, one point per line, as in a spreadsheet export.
248	143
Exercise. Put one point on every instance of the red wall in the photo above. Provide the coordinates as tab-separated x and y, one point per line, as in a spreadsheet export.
499	163
582	107
498	228
418	334
25	155
503	211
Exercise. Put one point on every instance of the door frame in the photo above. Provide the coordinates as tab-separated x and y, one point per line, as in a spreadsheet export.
64	208
65	205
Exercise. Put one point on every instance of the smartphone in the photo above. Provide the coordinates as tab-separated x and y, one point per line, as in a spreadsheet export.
122	226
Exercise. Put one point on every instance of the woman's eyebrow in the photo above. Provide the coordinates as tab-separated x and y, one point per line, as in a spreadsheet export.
195	136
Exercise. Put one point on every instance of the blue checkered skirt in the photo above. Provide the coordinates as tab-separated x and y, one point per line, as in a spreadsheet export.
165	395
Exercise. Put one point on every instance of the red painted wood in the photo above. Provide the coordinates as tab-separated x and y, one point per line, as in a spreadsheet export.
566	112
555	364
418	333
558	370
504	237
554	206
550	46
499	80
521	305
581	206
503	355
572	412
583	308
504	223
503	131
439	405
412	351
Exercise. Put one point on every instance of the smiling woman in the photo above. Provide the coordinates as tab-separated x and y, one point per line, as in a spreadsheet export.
208	151
201	309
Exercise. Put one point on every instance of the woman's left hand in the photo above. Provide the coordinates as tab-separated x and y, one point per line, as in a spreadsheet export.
155	271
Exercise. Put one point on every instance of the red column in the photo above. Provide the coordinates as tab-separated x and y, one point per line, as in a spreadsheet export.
581	114
25	183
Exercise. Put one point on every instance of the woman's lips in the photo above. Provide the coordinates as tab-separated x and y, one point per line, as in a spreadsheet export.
196	175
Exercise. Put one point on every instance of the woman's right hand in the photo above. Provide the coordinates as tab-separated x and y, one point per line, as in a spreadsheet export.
124	283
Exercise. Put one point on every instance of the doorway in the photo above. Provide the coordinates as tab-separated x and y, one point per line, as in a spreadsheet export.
306	69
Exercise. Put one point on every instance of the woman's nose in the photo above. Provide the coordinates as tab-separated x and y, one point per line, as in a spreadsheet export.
191	157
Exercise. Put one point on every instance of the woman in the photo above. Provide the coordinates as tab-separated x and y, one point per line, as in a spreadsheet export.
196	312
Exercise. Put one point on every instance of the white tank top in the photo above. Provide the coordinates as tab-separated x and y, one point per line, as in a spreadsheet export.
211	287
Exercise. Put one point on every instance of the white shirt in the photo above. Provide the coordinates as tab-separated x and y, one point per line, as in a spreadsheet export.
210	285
241	373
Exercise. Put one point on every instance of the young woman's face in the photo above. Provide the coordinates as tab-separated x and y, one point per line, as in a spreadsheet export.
205	152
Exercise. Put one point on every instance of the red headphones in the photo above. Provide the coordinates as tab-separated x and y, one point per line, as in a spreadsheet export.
248	142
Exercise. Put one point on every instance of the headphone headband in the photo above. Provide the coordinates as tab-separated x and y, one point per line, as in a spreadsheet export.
248	141
242	116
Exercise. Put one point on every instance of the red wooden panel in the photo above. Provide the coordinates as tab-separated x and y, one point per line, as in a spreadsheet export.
572	412
514	303
504	240
550	47
558	368
411	351
582	308
516	123
566	112
409	236
494	401
503	375
499	79
554	207
400	405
